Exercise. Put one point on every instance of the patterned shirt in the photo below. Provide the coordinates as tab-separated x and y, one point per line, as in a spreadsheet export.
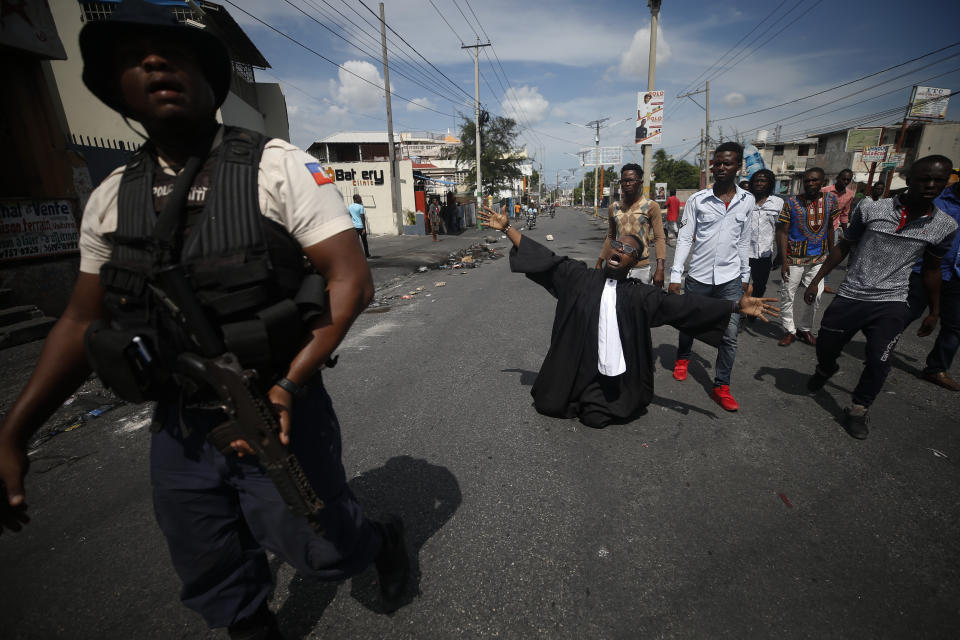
808	227
880	266
644	220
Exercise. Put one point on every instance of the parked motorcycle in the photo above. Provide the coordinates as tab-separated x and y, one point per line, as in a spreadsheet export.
531	219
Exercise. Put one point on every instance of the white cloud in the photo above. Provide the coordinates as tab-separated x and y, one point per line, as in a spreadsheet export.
734	99
525	105
559	112
420	104
633	61
352	91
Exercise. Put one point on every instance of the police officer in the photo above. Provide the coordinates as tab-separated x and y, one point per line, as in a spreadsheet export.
253	209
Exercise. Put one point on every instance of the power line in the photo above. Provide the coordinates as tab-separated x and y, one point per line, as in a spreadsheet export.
412	48
325	58
847	106
747	54
365	52
440	13
465	18
724	55
844	84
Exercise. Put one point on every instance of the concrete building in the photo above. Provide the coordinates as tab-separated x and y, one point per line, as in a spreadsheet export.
60	141
920	139
786	158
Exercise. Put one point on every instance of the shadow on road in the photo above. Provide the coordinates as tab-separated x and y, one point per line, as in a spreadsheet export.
794	383
681	407
527	378
425	495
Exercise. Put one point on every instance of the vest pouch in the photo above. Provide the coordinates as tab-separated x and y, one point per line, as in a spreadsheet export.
128	362
269	340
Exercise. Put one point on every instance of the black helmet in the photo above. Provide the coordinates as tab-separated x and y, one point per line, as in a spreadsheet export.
98	39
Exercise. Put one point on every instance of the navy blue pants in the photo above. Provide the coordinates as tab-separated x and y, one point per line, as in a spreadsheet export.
219	514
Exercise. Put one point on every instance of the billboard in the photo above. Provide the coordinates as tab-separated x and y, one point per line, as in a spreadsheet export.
661	191
860	139
929	102
649	117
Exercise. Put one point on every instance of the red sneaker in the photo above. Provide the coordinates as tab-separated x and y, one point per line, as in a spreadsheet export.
680	369
721	395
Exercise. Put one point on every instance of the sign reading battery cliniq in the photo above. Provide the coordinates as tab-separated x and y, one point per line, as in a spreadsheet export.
371	181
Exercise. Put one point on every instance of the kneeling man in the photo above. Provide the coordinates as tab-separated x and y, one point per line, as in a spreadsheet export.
600	364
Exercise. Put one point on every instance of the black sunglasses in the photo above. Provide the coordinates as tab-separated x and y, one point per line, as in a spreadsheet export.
625	248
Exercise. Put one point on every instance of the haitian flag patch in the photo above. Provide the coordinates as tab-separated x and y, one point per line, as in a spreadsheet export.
318	174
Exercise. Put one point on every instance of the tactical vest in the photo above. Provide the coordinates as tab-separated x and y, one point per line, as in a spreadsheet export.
249	275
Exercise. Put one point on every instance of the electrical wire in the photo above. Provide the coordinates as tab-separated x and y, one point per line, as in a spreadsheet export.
838	86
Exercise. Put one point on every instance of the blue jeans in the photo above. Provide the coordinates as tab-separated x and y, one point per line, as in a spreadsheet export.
727	351
948	340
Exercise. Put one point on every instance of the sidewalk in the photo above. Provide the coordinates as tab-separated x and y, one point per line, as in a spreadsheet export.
394	256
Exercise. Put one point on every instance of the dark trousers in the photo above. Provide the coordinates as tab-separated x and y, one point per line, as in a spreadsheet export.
363	239
221	514
948	339
881	324
596	400
727	351
759	274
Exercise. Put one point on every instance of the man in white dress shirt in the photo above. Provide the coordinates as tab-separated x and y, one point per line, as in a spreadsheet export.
715	235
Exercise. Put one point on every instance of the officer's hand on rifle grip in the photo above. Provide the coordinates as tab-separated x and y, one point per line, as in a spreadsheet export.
282	401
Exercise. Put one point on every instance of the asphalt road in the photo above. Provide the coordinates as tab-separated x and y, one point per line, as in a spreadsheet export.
687	523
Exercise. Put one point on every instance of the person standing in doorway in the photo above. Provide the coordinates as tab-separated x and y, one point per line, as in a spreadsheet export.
715	235
359	216
434	214
804	238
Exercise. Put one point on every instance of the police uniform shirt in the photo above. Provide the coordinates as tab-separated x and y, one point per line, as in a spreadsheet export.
288	194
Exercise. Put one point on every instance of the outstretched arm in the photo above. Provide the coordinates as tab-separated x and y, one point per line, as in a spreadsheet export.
499	222
837	255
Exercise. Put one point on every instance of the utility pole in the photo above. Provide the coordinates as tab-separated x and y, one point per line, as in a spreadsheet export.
476	113
651	77
596	163
903	131
395	202
703	164
705	134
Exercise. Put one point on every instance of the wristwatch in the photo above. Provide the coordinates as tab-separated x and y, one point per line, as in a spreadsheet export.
291	387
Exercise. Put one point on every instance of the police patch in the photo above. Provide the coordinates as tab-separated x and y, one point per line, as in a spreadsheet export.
319	176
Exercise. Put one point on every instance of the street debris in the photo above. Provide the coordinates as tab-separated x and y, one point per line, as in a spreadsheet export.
603	552
785	499
422	269
439	284
937	452
86	406
549	237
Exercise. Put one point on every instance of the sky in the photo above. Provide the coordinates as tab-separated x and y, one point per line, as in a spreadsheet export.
557	63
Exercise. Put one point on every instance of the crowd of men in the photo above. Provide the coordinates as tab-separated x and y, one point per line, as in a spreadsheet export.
903	261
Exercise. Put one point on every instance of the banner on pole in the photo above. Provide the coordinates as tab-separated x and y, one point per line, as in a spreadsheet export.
875	154
661	191
649	117
930	102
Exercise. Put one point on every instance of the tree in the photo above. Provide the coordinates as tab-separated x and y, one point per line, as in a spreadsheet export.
609	177
499	164
678	174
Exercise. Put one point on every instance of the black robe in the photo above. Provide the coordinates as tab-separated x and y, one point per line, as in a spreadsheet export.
569	383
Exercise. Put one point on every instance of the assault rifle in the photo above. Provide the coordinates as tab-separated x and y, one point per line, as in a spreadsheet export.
251	418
